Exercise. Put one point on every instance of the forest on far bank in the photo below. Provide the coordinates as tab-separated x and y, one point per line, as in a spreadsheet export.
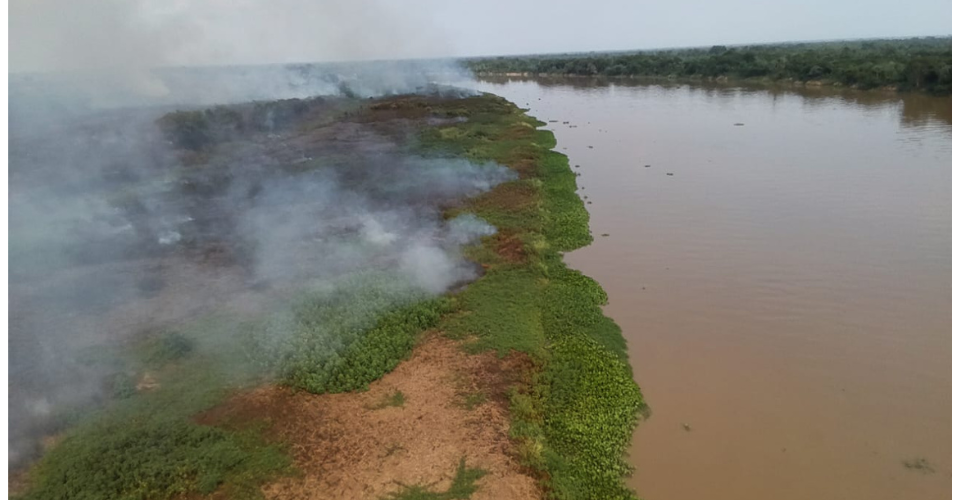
905	64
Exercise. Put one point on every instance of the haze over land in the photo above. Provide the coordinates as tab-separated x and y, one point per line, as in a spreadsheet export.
84	34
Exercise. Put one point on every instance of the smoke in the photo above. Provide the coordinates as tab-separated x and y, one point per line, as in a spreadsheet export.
116	230
122	52
123	34
384	215
113	235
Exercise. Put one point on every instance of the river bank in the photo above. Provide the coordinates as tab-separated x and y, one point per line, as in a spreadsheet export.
531	376
784	294
919	64
723	80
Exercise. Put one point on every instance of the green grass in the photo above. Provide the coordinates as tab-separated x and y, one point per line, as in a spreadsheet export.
374	352
154	458
463	486
148	446
500	313
344	336
573	418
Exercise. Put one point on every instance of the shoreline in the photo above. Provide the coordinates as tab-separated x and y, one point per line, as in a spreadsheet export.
568	394
755	83
679	268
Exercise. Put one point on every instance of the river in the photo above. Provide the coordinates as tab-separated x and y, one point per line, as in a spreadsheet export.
779	261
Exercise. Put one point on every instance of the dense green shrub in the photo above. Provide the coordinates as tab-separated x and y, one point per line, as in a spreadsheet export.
590	412
567	226
147	459
501	312
373	353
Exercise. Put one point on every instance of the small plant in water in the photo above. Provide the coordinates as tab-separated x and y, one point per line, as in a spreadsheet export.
919	465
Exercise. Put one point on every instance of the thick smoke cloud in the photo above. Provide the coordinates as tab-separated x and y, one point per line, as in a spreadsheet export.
63	35
115	234
112	237
149	49
332	225
108	242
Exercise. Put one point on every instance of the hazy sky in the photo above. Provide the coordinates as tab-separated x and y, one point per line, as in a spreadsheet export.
503	26
71	34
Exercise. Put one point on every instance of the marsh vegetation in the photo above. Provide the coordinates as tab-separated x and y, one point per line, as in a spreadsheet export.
485	186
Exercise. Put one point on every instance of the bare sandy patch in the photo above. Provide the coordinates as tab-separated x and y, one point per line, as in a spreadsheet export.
358	446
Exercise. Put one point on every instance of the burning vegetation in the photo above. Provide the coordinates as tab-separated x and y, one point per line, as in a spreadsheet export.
307	244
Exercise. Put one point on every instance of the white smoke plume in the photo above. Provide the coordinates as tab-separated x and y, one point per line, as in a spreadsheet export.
147	51
109	238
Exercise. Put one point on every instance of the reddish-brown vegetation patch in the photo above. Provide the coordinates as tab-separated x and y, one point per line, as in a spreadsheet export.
526	168
509	197
516	132
520	153
509	246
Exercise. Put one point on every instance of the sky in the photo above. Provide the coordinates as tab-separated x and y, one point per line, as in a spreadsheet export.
83	34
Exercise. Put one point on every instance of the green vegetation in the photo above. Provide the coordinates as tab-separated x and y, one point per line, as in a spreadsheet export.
573	418
154	458
158	350
474	399
909	64
464	485
346	341
498	320
148	445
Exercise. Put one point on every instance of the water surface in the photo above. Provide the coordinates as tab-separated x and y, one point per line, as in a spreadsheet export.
785	293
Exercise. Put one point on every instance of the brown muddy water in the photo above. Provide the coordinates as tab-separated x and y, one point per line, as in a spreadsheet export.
785	293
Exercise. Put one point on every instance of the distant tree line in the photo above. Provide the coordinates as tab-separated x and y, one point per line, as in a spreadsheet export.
906	64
